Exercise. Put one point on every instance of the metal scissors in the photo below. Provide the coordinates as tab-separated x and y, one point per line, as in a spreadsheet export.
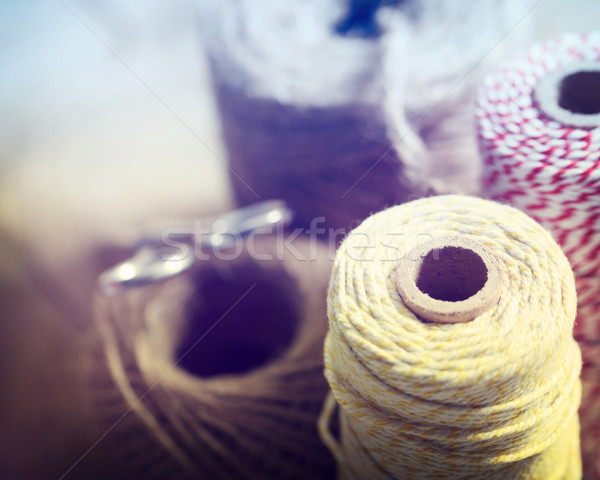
156	259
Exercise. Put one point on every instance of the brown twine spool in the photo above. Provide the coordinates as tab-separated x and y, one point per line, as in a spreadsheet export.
244	402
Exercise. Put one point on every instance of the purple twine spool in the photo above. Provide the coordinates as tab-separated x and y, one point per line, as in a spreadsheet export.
313	158
344	108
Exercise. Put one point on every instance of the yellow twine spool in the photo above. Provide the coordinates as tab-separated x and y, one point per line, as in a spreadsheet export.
495	397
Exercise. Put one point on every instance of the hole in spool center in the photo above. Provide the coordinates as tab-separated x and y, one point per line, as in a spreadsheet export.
238	338
451	274
580	92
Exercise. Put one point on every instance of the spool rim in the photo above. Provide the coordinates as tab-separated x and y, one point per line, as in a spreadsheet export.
431	309
548	90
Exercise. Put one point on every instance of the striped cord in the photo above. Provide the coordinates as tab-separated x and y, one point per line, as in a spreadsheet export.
537	160
549	170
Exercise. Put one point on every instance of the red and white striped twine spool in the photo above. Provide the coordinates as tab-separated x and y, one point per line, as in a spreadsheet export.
542	155
547	168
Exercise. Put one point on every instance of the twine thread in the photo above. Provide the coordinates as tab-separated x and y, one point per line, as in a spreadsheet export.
172	423
493	398
535	160
341	126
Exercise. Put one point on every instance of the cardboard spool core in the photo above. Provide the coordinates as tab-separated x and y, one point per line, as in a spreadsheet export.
450	280
571	94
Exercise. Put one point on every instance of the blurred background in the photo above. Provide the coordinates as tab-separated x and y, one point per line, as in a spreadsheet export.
107	120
